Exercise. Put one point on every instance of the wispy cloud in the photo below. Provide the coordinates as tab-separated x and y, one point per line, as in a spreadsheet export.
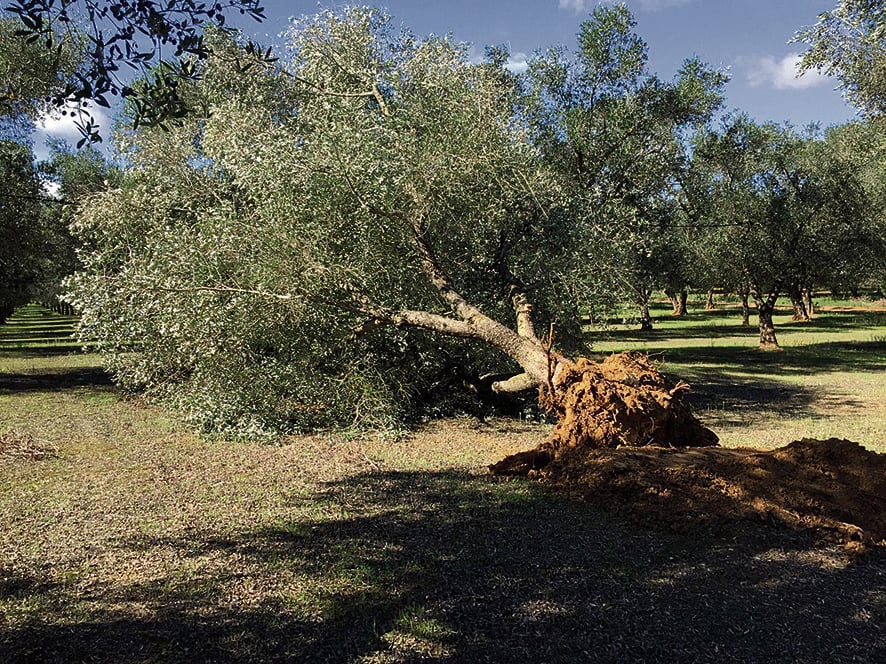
583	6
780	74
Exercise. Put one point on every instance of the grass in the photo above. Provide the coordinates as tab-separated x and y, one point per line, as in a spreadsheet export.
136	541
36	331
828	381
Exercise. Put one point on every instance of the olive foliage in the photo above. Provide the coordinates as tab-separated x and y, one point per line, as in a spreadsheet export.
117	41
617	136
849	42
371	222
783	211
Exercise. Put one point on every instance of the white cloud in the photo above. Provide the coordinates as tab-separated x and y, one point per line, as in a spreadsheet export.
56	125
584	6
51	189
517	63
780	74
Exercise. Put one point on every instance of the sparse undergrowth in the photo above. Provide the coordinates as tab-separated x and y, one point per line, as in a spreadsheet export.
140	543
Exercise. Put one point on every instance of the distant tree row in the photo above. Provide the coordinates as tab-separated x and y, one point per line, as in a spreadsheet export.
36	248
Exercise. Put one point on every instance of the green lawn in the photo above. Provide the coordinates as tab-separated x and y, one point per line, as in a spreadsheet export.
829	380
131	540
34	330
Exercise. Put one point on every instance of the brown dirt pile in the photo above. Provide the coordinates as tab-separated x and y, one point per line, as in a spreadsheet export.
834	487
625	439
623	400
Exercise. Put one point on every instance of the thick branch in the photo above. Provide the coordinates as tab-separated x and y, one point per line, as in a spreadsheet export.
516	292
438	278
523	348
517	383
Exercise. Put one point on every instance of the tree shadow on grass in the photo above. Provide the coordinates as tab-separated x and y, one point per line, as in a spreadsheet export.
738	382
736	398
791	361
412	567
54	381
700	324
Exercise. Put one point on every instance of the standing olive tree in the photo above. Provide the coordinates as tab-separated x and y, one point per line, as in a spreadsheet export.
784	212
310	246
28	74
19	219
616	135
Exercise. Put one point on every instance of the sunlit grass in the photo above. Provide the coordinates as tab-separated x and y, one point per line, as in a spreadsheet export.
828	381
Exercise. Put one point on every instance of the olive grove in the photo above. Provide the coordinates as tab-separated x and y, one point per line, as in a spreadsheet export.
28	74
617	137
784	213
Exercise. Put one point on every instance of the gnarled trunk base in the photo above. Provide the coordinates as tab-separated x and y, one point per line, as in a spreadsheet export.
622	401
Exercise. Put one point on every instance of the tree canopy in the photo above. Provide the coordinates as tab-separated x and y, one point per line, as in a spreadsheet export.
783	212
157	43
849	42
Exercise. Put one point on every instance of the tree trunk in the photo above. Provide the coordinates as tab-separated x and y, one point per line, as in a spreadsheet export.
745	308
684	295
709	302
677	300
765	308
800	314
645	317
622	401
808	303
672	298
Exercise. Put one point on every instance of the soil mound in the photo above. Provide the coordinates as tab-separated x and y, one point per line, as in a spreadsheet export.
624	439
620	401
834	487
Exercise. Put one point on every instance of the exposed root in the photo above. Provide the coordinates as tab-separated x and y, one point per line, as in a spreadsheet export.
623	400
624	439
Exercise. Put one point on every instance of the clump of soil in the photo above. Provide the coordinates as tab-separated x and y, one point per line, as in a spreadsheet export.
623	400
626	440
834	487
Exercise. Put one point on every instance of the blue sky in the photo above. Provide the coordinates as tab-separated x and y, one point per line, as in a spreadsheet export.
749	38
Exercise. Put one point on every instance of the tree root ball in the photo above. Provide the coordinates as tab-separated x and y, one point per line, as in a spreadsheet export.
625	440
622	401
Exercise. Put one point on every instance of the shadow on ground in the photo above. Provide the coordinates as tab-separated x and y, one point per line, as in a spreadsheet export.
736	397
452	568
701	324
791	361
54	381
738	382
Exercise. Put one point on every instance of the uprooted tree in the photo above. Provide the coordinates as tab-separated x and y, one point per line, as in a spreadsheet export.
313	247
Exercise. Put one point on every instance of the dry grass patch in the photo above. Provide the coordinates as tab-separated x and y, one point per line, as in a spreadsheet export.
17	445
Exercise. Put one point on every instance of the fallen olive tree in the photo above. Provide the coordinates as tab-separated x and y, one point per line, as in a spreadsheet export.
336	233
